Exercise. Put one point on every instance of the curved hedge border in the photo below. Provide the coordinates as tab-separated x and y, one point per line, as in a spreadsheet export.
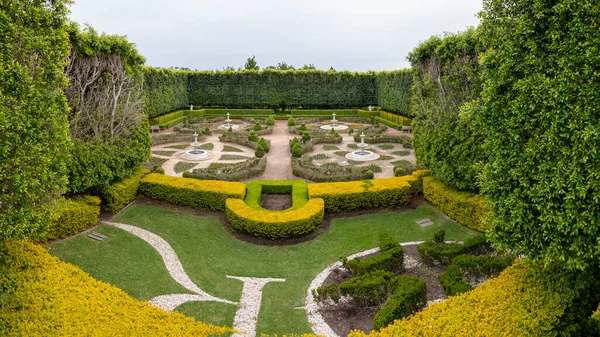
464	207
119	194
204	194
348	196
298	189
275	224
43	296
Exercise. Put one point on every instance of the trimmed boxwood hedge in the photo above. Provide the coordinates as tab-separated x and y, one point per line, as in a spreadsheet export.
389	260
409	295
120	194
298	189
275	224
42	296
348	196
72	216
204	194
452	281
464	207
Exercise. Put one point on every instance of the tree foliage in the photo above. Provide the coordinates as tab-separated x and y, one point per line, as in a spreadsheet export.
34	138
251	64
542	101
394	90
165	90
448	137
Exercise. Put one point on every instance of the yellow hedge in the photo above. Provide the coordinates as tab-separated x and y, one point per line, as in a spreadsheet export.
525	300
203	194
464	207
348	196
43	296
120	194
275	224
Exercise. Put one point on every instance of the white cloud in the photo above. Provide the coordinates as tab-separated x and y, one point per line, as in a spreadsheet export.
354	35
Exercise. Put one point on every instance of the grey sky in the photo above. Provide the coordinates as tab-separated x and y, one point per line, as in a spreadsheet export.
347	34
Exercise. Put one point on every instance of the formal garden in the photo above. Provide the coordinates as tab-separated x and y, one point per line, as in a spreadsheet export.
459	197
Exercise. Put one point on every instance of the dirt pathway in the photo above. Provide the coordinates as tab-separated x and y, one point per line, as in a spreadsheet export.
279	156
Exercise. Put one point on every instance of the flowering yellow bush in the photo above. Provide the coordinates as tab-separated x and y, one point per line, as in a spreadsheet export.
204	194
525	300
275	224
43	296
464	207
348	196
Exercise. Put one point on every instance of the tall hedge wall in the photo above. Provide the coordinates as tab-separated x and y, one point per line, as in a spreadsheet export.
282	88
165	90
394	90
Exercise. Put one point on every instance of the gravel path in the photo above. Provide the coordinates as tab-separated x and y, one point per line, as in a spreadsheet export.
279	165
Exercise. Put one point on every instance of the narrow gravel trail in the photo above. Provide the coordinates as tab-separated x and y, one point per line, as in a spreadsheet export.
279	157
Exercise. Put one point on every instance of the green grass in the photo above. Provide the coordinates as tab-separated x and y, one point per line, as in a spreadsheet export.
330	147
208	254
164	153
184	166
233	157
229	148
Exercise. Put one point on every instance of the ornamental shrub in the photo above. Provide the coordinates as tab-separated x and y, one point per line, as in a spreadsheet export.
305	137
431	252
350	130
46	297
274	224
291	121
72	216
409	295
482	265
398	172
262	143
118	195
438	237
297	151
259	152
390	260
466	208
302	127
252	136
452	281
387	242
527	299
257	127
348	196
204	194
271	121
369	174
369	289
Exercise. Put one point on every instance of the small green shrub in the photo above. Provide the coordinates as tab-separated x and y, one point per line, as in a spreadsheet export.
387	242
452	281
291	121
305	137
159	170
296	151
409	295
252	136
270	121
257	127
369	289
262	143
302	127
482	265
438	237
390	260
259	152
443	253
369	174
398	172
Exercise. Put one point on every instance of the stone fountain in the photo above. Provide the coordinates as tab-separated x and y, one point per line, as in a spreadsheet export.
334	125
196	154
228	124
361	154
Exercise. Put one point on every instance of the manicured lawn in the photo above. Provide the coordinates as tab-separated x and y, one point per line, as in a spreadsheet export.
208	254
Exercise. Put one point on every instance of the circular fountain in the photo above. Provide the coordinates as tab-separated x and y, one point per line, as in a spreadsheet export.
362	154
196	154
228	124
334	125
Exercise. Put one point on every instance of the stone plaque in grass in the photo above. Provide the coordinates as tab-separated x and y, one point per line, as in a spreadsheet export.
184	166
207	146
177	146
341	153
385	146
233	157
164	153
229	148
401	153
330	147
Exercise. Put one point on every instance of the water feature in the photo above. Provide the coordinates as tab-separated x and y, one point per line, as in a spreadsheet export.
228	124
361	154
196	154
334	125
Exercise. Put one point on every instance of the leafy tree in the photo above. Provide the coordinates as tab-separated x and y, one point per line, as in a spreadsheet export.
34	133
284	66
309	66
251	64
542	97
228	68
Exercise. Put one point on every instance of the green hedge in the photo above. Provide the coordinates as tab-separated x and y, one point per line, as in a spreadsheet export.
369	289
431	251
72	216
464	207
238	112
389	260
394	90
409	295
298	189
204	194
452	281
230	172
482	265
165	90
327	112
172	122
275	224
118	195
167	117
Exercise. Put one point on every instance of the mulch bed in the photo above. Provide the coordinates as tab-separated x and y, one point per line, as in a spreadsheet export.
276	202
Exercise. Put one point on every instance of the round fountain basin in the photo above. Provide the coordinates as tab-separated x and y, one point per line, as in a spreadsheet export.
229	125
362	155
196	155
336	127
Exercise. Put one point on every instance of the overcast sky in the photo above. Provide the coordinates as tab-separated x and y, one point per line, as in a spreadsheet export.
346	34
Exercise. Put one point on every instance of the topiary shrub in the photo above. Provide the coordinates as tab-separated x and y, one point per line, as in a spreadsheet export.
296	151
305	137
409	295
257	127
159	170
262	143
302	127
252	136
398	172
390	260
291	121
271	121
369	174
72	216
350	130
452	281
438	237
259	152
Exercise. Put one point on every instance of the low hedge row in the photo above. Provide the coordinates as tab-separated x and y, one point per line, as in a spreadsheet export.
452	281
367	113
409	295
348	196
274	224
482	265
42	296
368	289
464	207
118	195
328	172
390	260
395	118
172	122
72	216
298	189
327	112
526	299
230	172
204	194
238	138
378	138
237	112
443	253
162	119
174	138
